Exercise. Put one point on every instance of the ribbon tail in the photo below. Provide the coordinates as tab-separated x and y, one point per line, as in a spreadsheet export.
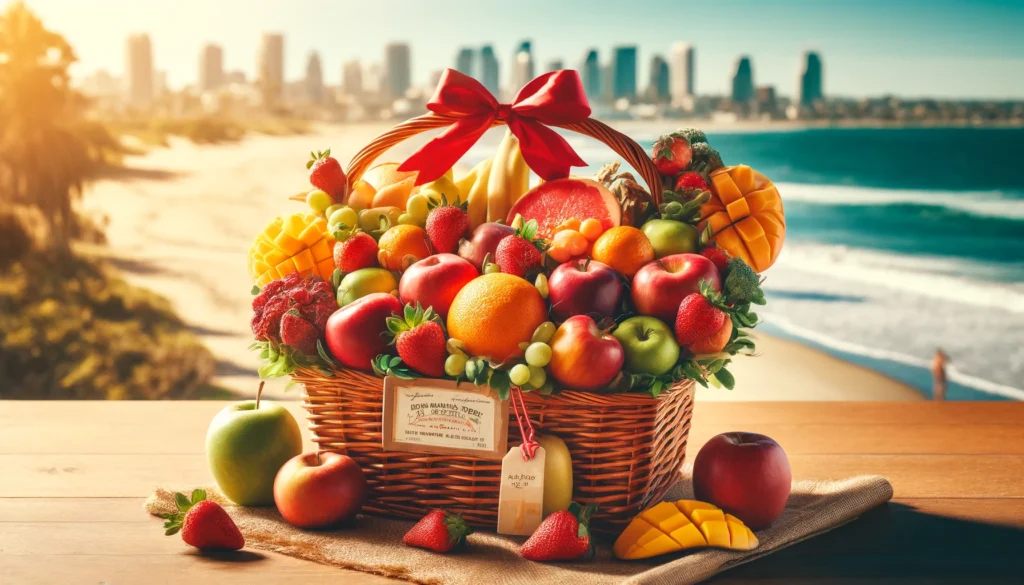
434	158
545	151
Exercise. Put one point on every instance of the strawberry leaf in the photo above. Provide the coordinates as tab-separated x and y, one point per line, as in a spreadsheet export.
198	495
182	502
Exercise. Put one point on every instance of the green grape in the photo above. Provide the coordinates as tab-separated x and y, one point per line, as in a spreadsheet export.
455	365
343	214
538	354
330	210
537	377
542	285
519	374
416	206
492	268
455	346
319	201
543	333
472	368
407	219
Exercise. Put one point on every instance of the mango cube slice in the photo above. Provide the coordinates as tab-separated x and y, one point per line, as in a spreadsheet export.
682	525
294	243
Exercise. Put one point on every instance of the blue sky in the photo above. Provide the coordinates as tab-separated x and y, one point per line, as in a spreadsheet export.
940	48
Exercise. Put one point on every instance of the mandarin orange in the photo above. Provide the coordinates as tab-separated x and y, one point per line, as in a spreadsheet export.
625	248
402	245
494	313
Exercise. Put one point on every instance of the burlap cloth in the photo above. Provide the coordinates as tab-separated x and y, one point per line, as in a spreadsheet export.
374	545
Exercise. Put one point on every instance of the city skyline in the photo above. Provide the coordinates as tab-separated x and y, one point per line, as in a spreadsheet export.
899	54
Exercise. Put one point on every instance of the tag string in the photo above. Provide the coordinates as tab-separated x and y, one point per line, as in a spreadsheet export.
529	446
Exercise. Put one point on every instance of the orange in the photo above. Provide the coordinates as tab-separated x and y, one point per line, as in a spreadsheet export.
402	245
384	174
625	248
494	313
395	194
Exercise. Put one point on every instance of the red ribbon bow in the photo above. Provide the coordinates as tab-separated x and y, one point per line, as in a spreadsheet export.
555	98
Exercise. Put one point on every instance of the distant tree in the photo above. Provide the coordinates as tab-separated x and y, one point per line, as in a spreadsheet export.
47	147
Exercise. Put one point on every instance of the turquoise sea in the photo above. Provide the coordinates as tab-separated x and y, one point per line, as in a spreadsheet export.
900	241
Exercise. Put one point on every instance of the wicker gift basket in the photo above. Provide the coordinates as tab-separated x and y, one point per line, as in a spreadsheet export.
627	447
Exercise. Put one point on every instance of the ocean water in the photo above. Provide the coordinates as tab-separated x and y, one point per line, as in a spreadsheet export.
899	242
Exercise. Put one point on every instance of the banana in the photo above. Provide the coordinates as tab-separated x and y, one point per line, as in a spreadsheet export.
498	183
477	195
519	177
465	183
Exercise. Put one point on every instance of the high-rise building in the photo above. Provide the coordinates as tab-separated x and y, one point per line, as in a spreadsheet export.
522	69
554	65
489	69
590	72
397	70
464	61
211	68
811	90
681	75
624	73
352	78
270	68
373	81
235	77
314	81
743	80
139	70
658	88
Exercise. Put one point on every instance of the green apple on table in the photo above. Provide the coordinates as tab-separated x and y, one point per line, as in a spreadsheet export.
650	346
246	445
669	237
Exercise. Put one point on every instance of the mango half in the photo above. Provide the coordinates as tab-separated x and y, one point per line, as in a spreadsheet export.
676	526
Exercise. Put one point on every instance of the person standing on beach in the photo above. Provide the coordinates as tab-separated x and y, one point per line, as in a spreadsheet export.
939	375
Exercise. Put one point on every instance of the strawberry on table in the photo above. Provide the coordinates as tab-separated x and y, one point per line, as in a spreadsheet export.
419	339
203	523
671	154
438	531
562	536
522	251
447	224
325	174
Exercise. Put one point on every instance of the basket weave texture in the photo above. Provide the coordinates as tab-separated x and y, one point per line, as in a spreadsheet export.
627	449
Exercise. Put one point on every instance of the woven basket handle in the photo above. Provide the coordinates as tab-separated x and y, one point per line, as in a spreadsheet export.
623	145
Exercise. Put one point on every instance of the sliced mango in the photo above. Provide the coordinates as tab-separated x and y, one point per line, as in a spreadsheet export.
294	243
682	525
745	216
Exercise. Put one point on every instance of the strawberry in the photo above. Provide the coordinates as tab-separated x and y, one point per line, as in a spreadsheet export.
562	536
691	180
203	524
719	257
522	251
355	249
298	333
447	224
698	317
438	531
420	340
325	174
671	154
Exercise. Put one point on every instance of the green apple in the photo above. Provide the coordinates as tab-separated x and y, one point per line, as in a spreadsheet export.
358	284
671	237
246	445
649	345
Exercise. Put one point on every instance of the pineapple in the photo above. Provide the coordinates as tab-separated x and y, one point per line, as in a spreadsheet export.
293	243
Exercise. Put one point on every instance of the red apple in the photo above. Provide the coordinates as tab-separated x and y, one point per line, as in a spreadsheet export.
661	285
581	287
435	280
745	474
317	490
354	332
584	356
484	241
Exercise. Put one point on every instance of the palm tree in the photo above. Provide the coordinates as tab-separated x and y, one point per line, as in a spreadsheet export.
47	147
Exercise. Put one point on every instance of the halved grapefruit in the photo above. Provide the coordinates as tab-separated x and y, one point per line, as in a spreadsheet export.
553	202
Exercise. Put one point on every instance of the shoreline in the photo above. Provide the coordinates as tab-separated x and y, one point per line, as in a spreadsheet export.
181	221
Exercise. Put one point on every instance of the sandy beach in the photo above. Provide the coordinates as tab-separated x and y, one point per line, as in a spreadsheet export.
181	220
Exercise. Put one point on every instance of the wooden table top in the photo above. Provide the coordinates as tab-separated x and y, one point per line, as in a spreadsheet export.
73	476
